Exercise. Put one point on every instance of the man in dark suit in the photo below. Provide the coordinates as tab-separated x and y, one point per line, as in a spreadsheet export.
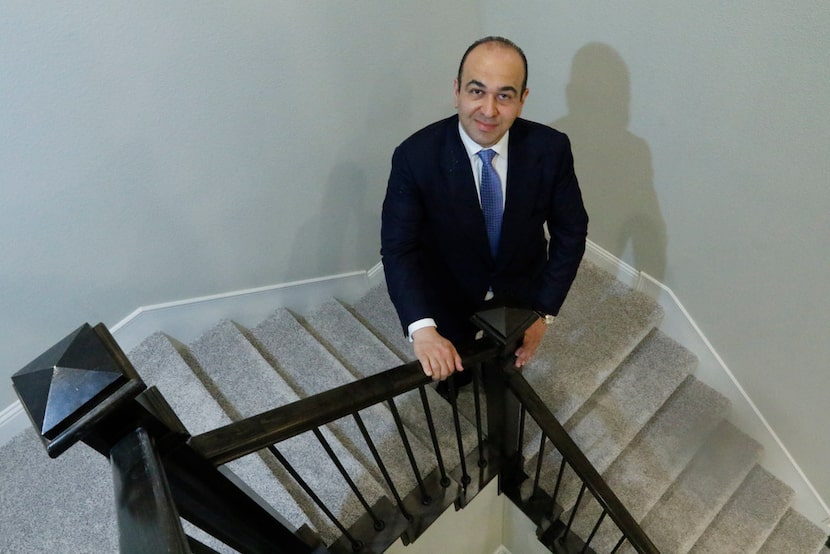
461	230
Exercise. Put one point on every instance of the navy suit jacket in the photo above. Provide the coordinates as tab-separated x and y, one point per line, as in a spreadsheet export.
434	246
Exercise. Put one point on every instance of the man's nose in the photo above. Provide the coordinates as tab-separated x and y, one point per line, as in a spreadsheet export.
490	108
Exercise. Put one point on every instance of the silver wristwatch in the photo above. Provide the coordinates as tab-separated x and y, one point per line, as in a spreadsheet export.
547	318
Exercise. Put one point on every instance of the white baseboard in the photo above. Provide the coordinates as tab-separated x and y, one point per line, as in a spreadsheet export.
711	369
12	421
375	275
187	319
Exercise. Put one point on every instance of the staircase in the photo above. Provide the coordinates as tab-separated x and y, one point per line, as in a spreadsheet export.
624	391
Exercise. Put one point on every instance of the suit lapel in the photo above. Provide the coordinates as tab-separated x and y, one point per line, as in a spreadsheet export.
520	196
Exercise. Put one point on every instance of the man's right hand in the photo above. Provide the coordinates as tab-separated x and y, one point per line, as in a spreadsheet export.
437	355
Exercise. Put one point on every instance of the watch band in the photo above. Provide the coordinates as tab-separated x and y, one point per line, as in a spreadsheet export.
547	318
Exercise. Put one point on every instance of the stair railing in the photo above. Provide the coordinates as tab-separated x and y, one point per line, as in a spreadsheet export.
556	529
412	511
161	473
85	389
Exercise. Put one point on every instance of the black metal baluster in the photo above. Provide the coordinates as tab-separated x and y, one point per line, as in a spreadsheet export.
556	487
445	481
482	462
539	459
619	544
575	508
357	545
521	444
593	532
376	521
373	449
465	477
425	498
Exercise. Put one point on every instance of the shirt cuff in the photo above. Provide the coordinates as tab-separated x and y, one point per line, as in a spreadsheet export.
419	324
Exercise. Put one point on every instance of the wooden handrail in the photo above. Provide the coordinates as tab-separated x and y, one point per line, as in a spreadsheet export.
252	434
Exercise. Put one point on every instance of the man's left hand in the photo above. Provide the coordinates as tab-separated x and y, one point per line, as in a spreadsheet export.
532	339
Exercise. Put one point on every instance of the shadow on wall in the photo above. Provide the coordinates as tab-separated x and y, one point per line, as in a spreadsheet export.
612	164
334	238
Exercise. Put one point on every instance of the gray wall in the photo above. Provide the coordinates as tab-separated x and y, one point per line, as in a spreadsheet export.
701	132
157	151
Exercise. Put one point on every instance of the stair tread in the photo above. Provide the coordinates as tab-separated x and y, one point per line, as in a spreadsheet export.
376	311
608	421
69	500
794	534
162	364
364	355
656	457
600	324
247	385
667	442
360	350
749	517
310	369
698	494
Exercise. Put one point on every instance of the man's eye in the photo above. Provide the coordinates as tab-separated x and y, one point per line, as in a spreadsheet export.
505	97
476	92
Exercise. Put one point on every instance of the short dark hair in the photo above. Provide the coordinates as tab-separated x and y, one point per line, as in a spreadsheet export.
501	40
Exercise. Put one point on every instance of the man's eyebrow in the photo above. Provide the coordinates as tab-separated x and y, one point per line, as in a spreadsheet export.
479	84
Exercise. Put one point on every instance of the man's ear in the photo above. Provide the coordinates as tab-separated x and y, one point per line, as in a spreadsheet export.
455	92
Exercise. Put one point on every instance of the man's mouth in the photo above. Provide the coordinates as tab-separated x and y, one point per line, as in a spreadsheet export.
486	127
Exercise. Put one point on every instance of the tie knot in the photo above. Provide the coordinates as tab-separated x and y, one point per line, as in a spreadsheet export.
486	155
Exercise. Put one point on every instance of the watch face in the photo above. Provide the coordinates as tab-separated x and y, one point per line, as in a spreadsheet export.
548	319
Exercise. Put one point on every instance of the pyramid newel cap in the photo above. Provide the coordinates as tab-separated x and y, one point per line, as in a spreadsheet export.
73	384
505	325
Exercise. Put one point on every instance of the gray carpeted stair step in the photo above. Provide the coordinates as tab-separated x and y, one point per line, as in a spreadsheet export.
310	369
164	363
612	416
608	421
246	384
696	497
55	505
364	354
749	517
600	324
376	312
656	457
794	534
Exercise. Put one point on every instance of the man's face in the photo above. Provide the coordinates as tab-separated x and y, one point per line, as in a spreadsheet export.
489	97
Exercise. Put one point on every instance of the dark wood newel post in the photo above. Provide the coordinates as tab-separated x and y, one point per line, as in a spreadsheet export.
85	389
505	326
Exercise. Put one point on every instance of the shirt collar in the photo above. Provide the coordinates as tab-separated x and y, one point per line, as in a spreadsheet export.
474	148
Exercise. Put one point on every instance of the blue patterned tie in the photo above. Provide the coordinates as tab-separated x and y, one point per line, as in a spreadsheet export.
491	198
